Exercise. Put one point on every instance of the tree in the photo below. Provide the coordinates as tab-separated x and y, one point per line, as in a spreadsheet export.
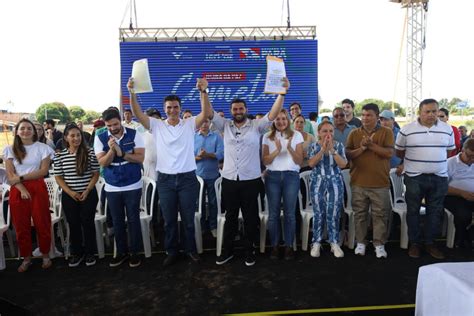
54	110
90	116
76	112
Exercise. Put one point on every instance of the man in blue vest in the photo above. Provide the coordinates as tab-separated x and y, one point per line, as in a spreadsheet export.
120	151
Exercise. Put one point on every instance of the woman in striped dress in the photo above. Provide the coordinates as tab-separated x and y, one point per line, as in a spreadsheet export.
327	157
76	170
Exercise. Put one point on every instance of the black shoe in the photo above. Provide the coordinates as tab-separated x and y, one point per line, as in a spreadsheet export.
224	257
194	257
90	260
75	260
170	260
275	254
118	260
289	253
134	261
250	258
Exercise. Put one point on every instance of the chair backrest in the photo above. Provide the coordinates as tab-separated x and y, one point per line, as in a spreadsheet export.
148	197
99	186
346	177
397	186
5	222
201	193
218	188
305	175
53	194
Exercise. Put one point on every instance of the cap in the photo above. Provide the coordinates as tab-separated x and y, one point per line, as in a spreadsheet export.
152	111
99	123
387	114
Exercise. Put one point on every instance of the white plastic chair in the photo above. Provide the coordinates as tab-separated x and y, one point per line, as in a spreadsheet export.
56	214
346	176
146	213
306	210
100	219
4	225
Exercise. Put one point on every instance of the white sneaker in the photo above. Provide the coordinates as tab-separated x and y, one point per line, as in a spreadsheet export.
360	249
316	250
337	251
380	251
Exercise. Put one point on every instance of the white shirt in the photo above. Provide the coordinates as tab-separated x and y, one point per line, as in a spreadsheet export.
99	148
461	175
176	145
35	153
132	124
425	148
241	147
149	163
315	128
284	161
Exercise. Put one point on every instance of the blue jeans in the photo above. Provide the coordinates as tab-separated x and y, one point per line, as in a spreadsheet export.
178	189
121	204
212	205
433	189
282	185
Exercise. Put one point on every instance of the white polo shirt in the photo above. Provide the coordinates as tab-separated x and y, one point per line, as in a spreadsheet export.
284	161
461	175
241	147
175	145
425	148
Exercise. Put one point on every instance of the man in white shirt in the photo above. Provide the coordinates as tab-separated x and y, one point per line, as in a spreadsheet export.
241	174
424	144
460	198
176	166
128	120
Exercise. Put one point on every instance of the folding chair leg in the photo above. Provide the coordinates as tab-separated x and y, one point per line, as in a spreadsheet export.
403	231
146	238
99	237
263	234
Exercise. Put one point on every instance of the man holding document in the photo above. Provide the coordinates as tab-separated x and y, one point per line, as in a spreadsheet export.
176	166
241	174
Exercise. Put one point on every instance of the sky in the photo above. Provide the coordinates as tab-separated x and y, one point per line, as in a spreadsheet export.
68	50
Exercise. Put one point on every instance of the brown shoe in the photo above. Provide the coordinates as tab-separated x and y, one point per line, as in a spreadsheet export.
289	253
414	251
275	254
434	252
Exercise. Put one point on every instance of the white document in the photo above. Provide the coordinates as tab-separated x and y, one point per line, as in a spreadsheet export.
141	76
275	73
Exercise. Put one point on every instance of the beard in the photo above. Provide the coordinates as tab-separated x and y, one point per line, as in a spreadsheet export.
116	131
239	118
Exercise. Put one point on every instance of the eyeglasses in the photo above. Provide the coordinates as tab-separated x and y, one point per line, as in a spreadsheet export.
441	116
339	115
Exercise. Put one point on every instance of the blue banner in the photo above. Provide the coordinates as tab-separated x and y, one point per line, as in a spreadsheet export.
234	69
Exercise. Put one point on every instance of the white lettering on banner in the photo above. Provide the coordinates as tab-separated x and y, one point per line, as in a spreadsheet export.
188	93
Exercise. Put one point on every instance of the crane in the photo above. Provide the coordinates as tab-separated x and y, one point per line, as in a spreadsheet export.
416	21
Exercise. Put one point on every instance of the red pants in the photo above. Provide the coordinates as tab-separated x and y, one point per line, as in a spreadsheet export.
37	208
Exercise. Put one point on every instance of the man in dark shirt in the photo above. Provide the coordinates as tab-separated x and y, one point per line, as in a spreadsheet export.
348	106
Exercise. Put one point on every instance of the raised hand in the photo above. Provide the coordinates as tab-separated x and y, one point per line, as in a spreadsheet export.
201	84
130	85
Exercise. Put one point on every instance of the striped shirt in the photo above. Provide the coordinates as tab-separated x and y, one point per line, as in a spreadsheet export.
65	166
425	148
326	166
